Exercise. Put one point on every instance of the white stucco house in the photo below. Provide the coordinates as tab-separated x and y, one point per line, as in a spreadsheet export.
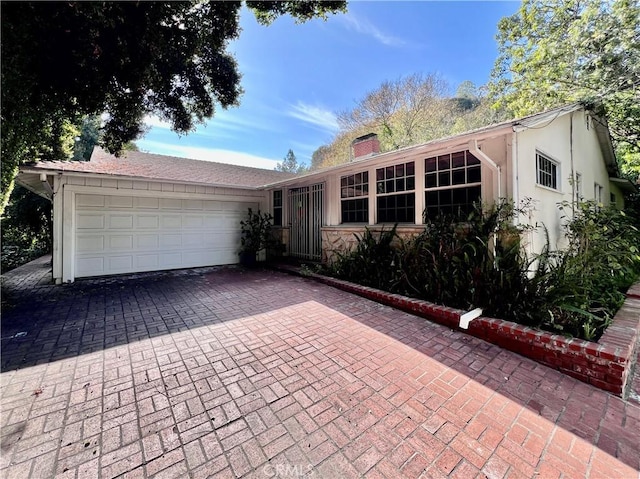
146	212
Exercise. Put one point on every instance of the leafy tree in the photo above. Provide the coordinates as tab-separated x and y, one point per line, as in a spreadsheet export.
409	111
26	228
290	164
403	112
561	51
64	60
90	135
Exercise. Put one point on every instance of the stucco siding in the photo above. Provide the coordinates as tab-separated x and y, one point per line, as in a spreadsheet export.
571	142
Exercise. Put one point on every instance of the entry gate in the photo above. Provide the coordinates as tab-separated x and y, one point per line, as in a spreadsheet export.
306	208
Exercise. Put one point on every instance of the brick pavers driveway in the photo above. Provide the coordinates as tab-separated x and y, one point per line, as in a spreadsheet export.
228	373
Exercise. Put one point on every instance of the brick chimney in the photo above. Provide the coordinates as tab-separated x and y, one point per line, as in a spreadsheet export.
365	146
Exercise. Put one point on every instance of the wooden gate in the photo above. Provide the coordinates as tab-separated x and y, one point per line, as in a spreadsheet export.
306	209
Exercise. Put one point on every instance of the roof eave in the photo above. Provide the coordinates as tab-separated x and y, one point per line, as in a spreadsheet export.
35	170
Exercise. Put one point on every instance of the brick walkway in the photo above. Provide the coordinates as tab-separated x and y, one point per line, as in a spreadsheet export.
228	373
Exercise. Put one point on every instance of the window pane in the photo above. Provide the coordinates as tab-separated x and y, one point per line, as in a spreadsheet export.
389	172
344	193
410	169
365	177
432	180
444	179
473	175
457	159
380	187
444	162
357	178
343	181
458	177
400	184
430	164
432	198
411	183
472	160
399	170
389	186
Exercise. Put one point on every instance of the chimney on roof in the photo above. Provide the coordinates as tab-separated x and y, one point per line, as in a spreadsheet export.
365	146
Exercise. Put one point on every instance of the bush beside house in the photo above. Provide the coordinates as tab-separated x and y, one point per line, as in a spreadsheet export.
477	261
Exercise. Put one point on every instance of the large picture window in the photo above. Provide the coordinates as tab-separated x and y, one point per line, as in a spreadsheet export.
452	183
354	193
395	185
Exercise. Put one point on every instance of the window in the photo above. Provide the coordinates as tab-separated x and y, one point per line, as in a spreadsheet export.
354	193
396	202
613	199
546	171
578	187
277	207
597	192
452	182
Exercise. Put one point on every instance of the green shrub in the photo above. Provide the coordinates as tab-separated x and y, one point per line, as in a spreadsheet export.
476	260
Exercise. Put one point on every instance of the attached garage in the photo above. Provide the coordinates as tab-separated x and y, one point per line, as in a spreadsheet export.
126	234
145	212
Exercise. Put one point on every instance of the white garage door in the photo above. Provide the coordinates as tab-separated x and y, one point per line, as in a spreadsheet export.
126	234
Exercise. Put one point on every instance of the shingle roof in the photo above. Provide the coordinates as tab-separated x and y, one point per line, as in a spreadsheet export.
159	167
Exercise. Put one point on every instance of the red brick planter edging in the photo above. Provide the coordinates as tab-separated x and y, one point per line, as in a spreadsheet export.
606	365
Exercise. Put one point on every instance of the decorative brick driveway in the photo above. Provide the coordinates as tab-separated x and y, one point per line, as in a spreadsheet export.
228	373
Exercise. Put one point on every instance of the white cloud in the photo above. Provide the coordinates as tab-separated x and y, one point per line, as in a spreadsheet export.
315	115
208	154
365	27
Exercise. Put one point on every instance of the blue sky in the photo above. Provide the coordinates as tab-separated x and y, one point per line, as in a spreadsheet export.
297	77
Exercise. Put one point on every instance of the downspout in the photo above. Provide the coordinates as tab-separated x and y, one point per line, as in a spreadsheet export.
478	153
574	198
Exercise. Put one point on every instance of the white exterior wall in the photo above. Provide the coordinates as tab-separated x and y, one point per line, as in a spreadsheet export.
575	147
67	187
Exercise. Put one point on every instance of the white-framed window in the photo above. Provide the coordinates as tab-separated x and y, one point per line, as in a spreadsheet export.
395	196
598	190
547	171
452	182
578	187
354	198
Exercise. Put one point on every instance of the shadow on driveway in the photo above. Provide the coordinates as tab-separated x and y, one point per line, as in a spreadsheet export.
224	370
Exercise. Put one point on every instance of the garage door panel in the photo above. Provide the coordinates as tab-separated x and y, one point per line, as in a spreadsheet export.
120	201
120	264
130	234
86	244
148	203
147	262
147	242
121	222
171	221
192	222
89	200
147	221
90	221
90	266
170	203
121	242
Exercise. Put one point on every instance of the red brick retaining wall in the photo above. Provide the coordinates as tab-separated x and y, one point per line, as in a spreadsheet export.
606	364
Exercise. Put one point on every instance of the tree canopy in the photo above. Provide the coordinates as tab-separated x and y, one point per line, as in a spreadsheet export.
290	164
64	60
562	51
407	111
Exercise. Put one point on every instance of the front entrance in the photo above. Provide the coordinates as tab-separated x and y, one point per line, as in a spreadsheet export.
306	209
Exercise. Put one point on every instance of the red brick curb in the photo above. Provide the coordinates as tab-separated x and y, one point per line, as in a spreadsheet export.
606	365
